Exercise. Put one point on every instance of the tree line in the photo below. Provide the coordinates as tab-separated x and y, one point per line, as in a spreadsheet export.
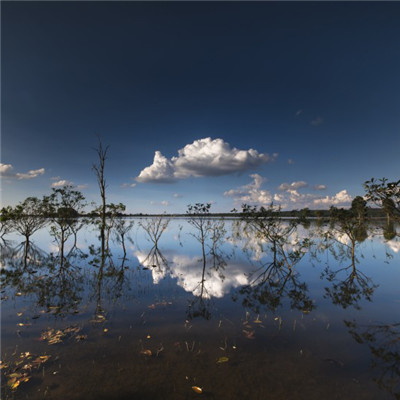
65	205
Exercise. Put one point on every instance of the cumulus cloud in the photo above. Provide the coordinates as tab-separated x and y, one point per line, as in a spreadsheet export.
33	173
317	121
341	198
251	193
62	182
290	196
319	187
287	187
6	171
203	157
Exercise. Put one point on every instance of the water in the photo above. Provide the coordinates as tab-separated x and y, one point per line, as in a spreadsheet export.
247	323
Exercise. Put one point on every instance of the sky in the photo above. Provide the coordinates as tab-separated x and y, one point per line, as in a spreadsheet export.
296	103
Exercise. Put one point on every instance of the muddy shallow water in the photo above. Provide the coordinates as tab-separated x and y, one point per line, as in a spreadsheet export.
162	322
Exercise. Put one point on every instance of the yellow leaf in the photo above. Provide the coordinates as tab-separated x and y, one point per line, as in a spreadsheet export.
148	336
222	360
146	352
105	330
197	389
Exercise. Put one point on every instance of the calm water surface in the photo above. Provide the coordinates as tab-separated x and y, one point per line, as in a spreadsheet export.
243	323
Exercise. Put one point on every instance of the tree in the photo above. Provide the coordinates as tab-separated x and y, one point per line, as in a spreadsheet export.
64	206
199	218
101	181
359	207
384	194
5	218
28	217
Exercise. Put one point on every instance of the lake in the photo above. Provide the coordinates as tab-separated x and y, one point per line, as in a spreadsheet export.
276	312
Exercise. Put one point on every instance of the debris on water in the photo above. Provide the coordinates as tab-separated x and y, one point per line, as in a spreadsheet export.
19	314
339	363
249	334
20	370
160	350
99	318
53	336
146	352
22	324
197	389
222	360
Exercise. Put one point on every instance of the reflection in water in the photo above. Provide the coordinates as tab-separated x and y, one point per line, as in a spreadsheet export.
349	284
275	245
384	344
135	322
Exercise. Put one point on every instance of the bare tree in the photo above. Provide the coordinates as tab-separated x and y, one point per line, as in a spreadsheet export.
101	181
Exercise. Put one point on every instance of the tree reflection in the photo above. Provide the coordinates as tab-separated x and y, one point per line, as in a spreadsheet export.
276	247
55	289
349	285
210	233
154	228
384	344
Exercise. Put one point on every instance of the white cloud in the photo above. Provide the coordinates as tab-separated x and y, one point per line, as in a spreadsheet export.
33	173
128	185
317	121
159	203
289	198
84	186
177	195
298	113
320	187
340	198
203	157
290	161
61	183
251	193
6	171
287	187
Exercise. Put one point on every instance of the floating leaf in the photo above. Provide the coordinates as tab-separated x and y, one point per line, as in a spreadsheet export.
105	330
148	337
197	389
19	314
13	383
3	365
222	360
146	352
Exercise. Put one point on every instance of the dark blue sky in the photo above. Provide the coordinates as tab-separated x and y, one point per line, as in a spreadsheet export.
316	82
